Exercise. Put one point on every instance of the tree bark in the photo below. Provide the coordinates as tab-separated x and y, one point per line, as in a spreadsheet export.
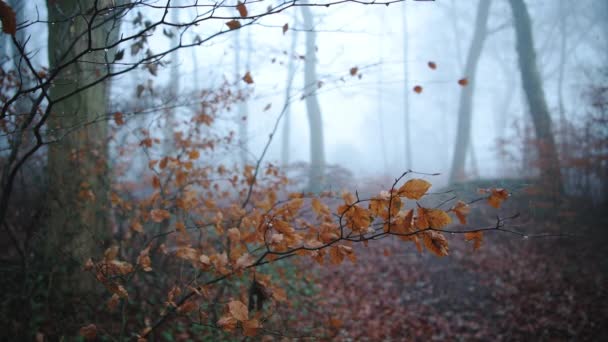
317	148
77	163
535	96
463	134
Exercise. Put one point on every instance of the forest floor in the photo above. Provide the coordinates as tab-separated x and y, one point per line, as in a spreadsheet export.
512	288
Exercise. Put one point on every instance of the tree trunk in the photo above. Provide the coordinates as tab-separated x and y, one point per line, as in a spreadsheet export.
77	164
463	134
407	144
291	72
535	96
317	153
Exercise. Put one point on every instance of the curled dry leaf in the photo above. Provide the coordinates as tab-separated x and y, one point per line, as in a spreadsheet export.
233	24
8	18
353	71
285	28
461	210
436	243
417	89
242	9
463	82
247	78
432	65
497	196
476	237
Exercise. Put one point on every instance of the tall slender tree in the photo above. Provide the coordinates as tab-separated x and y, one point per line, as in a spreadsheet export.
535	96
291	72
465	107
317	148
407	143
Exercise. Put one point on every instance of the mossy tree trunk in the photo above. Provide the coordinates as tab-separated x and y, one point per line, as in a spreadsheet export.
78	222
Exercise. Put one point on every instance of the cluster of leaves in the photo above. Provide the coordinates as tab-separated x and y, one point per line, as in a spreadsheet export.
203	224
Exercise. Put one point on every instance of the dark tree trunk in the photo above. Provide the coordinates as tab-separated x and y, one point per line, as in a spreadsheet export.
535	96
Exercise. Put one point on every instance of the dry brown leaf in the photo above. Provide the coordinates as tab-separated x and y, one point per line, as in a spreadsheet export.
233	24
159	215
238	310
242	9
8	18
414	188
247	78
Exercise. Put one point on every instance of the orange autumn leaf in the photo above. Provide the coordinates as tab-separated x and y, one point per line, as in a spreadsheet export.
437	218
436	243
137	227
463	82
251	327
247	78
187	253
159	215
242	9
238	310
319	208
497	196
155	182
144	261
461	210
163	163
227	323
432	65
118	119
244	261
194	155
417	89
233	24
414	188
476	237
421	221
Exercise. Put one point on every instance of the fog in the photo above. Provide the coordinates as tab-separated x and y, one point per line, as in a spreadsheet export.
363	116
